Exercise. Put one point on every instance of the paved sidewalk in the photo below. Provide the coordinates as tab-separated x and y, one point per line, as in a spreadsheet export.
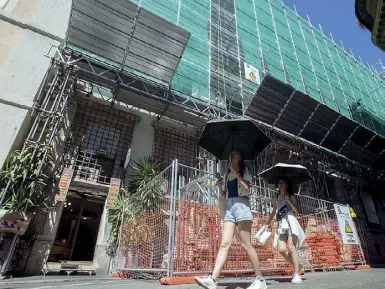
368	279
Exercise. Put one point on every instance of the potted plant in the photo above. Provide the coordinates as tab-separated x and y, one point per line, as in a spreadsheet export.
25	193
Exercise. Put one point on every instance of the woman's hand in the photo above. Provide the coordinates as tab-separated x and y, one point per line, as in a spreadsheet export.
233	169
219	183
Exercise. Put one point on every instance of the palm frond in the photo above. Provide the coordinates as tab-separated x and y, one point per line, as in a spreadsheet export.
139	196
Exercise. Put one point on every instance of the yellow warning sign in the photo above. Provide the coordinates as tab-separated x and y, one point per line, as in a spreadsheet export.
348	229
352	213
252	75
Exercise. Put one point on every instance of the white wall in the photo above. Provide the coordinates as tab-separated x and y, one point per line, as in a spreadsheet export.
11	121
143	138
27	29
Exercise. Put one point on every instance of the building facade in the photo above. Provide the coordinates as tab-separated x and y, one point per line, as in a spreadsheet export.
150	73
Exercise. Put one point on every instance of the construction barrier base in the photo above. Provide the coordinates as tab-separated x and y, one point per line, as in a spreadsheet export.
177	280
359	267
121	275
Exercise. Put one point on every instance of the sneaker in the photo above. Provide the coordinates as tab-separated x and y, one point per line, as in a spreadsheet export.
296	279
206	282
258	284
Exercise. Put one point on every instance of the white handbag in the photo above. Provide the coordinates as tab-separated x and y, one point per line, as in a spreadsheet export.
263	235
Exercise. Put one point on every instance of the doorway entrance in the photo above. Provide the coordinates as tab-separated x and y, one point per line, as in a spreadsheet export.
78	229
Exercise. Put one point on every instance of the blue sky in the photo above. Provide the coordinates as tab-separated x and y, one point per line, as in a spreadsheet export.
338	17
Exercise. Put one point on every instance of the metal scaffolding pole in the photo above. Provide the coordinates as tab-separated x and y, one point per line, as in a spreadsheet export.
278	45
264	66
294	49
49	115
322	61
336	72
311	60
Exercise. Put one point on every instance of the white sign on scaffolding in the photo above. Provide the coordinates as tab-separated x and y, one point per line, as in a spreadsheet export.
252	73
346	225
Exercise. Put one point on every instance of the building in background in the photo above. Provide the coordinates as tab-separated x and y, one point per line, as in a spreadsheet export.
371	14
142	80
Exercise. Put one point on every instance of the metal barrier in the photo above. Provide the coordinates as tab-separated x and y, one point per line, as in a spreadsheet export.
145	238
181	234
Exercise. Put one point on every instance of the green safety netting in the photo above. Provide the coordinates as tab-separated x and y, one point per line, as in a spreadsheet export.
266	34
277	41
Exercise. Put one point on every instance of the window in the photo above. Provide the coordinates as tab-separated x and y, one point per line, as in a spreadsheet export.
99	142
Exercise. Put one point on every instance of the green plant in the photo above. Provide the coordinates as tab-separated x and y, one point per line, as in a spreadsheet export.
26	183
142	193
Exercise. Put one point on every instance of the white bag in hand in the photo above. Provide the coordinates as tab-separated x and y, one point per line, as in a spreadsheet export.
263	235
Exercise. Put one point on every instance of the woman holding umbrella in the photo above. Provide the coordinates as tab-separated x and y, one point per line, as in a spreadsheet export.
237	215
289	232
226	139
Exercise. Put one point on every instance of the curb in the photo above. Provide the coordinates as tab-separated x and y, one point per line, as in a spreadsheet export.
8	281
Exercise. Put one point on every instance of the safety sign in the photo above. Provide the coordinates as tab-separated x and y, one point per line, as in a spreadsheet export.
164	186
346	224
252	73
348	229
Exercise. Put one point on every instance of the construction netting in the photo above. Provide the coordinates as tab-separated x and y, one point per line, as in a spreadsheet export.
228	35
181	235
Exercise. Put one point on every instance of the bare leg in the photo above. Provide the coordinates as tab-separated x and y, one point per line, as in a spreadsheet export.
244	229
227	238
291	243
283	249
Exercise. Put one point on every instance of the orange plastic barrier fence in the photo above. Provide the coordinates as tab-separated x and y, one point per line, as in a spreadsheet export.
198	229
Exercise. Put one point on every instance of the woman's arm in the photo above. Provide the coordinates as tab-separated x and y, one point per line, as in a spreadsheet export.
293	203
273	212
244	183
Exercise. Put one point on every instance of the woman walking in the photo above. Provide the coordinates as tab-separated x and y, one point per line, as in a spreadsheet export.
238	215
289	232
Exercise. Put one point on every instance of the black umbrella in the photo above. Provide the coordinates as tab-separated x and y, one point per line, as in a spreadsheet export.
221	137
295	173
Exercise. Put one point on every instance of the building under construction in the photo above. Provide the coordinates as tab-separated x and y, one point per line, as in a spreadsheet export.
95	83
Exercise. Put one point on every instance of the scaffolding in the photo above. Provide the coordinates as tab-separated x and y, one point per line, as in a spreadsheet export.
188	59
224	35
48	116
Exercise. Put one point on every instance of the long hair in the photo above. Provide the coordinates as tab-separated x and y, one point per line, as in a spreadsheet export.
241	165
289	189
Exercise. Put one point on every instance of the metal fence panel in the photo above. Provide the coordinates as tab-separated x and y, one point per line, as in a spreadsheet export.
144	241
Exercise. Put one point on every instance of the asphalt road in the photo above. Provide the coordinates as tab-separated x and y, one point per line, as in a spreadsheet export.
368	279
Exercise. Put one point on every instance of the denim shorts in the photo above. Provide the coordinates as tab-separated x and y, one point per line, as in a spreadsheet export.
238	209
